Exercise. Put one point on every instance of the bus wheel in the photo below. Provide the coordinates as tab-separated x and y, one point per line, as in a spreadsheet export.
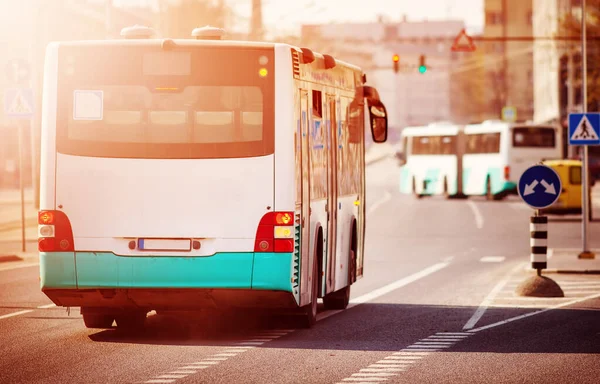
340	299
309	311
97	320
414	188
488	189
131	320
446	193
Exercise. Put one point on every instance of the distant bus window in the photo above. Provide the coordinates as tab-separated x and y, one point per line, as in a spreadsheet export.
433	145
535	137
483	143
575	175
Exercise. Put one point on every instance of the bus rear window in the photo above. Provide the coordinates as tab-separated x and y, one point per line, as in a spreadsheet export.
534	137
146	103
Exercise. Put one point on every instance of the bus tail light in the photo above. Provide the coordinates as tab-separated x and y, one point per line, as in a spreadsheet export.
507	173
54	232
275	233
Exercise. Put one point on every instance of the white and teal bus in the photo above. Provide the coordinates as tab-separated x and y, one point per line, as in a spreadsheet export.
431	160
496	153
201	173
485	159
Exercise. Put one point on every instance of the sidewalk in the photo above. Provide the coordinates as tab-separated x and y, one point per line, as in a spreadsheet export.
10	225
566	260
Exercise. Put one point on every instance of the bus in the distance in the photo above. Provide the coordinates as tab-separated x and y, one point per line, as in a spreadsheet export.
485	159
496	153
431	160
201	173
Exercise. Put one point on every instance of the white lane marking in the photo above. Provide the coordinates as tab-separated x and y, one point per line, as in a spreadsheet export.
477	213
382	370
159	381
47	306
182	372
194	367
503	322
397	362
12	267
172	376
397	284
492	259
386	197
365	379
489	298
15	314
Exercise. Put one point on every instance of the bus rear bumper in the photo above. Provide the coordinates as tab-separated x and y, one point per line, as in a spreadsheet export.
103	279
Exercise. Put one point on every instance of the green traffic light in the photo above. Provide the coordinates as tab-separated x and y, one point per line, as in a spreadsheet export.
422	69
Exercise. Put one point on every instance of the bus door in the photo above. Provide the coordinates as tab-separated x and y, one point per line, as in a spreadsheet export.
331	190
305	266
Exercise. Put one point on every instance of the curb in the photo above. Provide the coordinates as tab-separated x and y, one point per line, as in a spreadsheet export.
569	271
9	258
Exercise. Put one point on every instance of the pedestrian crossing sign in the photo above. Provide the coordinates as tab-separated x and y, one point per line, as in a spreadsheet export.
18	103
584	129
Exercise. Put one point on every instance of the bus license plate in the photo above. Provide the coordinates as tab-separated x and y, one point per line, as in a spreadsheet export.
165	244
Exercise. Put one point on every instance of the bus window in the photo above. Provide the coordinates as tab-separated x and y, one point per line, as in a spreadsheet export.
534	137
433	145
480	143
208	104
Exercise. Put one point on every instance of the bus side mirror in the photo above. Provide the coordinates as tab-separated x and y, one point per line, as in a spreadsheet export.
378	119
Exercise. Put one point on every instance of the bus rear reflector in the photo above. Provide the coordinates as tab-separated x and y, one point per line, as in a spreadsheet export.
55	232
275	233
507	173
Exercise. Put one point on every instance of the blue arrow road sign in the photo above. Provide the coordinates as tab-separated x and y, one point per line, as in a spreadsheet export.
18	70
584	129
539	186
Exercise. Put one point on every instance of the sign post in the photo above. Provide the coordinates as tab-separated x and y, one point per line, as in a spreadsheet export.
19	104
539	187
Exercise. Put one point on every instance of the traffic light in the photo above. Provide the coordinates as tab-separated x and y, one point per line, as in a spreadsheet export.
396	60
422	66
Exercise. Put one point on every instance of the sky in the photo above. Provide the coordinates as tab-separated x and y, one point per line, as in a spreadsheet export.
281	16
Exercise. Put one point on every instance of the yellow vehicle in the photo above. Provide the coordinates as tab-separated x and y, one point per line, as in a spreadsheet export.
569	201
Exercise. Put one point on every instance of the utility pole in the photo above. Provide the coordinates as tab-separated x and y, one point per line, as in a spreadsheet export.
256	24
504	54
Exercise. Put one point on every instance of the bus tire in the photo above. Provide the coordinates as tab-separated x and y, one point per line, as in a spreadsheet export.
488	189
98	320
309	311
131	320
446	193
414	188
340	299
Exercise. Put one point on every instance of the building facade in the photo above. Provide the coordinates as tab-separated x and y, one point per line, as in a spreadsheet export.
509	64
411	97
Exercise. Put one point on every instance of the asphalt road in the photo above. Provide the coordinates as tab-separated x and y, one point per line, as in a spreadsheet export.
436	306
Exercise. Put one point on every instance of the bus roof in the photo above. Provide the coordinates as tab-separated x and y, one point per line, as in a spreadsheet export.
432	130
154	42
500	126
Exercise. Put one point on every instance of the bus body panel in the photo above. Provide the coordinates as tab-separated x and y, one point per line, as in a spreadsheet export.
121	198
48	128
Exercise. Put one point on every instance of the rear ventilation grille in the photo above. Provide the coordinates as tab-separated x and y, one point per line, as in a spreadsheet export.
296	259
296	63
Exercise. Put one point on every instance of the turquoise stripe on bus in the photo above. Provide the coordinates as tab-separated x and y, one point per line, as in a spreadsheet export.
222	270
57	270
272	271
465	179
405	180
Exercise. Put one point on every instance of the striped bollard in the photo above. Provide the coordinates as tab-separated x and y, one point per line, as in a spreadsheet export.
538	228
